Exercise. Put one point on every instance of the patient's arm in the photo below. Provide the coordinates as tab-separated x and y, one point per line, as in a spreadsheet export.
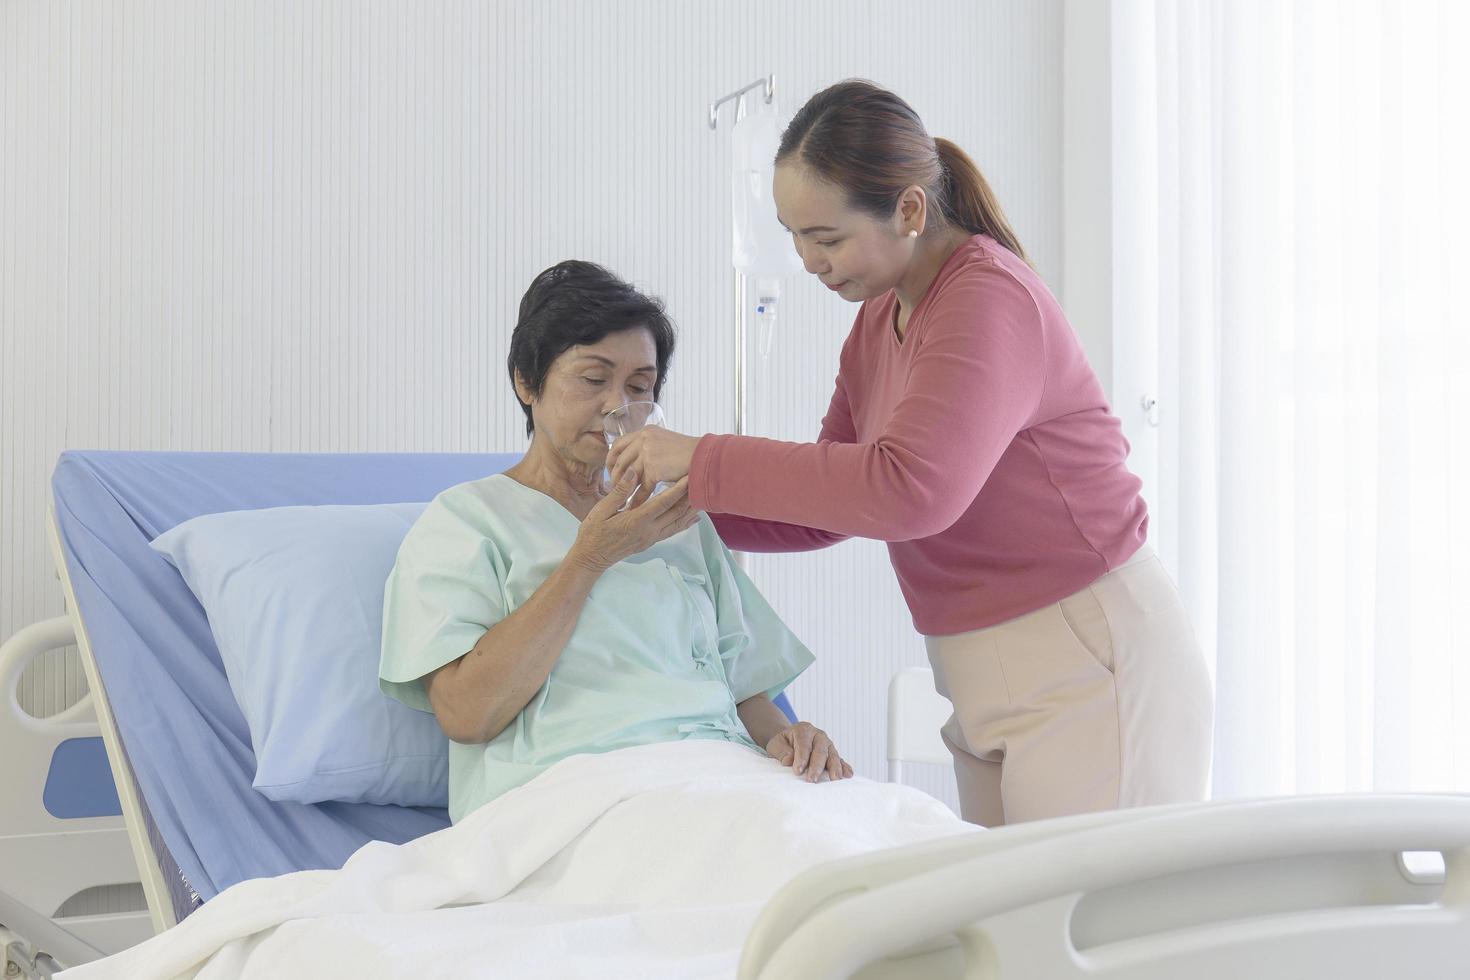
477	696
762	719
802	746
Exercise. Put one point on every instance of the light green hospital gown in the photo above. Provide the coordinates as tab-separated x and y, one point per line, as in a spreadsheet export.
669	641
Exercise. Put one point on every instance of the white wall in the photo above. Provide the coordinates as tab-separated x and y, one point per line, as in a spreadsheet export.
1087	178
305	227
1108	104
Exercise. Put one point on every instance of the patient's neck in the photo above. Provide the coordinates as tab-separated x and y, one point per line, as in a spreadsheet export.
575	485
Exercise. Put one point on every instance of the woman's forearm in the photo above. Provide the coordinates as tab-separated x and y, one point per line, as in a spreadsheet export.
762	719
478	695
750	534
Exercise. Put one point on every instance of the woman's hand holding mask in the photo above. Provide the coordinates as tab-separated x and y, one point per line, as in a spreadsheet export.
653	455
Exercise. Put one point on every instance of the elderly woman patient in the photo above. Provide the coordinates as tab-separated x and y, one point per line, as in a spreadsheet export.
538	615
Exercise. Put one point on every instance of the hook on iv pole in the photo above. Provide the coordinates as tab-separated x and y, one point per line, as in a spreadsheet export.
769	82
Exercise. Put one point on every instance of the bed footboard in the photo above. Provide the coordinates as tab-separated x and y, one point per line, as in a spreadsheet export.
1343	886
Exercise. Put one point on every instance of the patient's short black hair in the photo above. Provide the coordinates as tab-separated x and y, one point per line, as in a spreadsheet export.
573	304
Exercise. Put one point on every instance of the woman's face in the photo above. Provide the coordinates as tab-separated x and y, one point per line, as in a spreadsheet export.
854	254
583	385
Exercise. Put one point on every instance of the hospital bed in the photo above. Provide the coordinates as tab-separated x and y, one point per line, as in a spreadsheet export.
1332	886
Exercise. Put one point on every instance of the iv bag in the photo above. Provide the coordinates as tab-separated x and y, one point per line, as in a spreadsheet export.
762	248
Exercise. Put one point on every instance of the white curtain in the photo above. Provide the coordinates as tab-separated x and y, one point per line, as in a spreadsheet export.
1291	221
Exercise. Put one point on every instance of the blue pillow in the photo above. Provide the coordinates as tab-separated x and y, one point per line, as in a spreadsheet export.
294	597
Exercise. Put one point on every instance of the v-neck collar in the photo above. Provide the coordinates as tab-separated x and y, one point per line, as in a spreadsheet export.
953	259
893	335
548	498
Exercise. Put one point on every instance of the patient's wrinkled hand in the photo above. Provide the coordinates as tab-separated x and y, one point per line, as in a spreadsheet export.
809	752
613	531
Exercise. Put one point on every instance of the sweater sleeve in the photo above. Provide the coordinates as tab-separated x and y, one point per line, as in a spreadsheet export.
975	380
750	534
756	535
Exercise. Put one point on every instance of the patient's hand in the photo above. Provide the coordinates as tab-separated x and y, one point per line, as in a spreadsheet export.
809	752
613	532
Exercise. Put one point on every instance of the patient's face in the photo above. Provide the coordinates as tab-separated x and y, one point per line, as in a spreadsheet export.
851	252
584	384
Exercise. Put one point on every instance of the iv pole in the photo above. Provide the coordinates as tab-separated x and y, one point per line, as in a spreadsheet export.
741	401
767	83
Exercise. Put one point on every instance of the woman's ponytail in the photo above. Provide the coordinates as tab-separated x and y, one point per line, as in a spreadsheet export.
968	201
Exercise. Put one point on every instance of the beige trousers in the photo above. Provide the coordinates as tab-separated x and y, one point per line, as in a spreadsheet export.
1096	702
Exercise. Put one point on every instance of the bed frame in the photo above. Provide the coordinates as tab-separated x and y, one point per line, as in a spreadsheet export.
71	812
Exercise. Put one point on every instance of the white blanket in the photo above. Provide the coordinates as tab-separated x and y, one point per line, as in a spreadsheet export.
645	862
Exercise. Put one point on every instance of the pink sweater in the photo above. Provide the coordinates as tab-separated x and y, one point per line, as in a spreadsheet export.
981	448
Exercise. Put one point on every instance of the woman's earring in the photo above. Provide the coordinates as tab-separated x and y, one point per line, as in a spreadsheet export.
913	233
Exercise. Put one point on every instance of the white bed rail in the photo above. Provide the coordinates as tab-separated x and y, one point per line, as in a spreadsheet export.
45	859
146	866
916	712
1292	887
